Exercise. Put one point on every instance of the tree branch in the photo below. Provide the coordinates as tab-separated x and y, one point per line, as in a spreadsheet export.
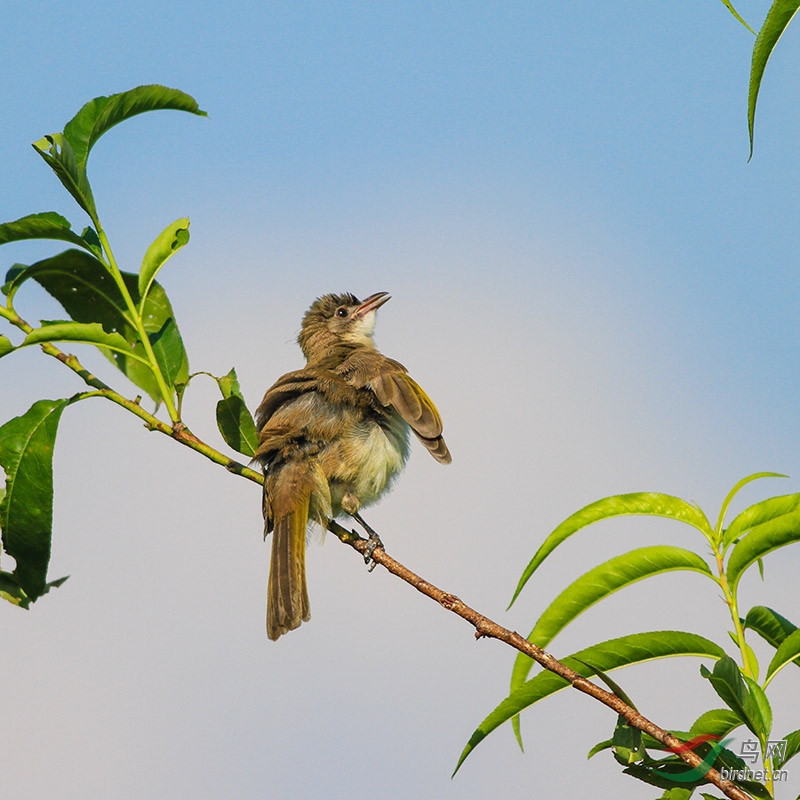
485	627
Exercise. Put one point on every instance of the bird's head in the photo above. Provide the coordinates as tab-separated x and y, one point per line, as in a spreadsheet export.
338	319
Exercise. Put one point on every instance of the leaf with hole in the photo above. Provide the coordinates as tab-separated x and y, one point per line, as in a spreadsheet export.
60	157
166	244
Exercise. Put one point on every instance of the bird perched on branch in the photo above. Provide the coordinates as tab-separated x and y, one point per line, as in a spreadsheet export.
333	436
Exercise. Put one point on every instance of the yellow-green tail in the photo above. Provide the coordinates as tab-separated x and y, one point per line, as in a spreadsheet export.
287	593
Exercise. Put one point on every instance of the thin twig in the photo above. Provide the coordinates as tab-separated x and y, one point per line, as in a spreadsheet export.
485	627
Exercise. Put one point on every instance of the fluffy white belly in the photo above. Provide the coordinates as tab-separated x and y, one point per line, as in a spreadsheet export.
369	460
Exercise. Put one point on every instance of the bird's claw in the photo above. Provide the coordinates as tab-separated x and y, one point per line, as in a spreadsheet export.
373	540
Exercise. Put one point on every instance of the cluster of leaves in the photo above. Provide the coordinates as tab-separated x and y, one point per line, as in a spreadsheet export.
756	532
127	316
780	14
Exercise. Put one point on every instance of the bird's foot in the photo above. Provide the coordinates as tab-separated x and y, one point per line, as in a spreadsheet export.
373	541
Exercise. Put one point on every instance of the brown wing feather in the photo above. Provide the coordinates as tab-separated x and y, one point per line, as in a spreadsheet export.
408	398
437	448
284	389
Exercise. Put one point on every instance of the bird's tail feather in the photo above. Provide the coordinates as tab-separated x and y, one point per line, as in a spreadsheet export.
287	593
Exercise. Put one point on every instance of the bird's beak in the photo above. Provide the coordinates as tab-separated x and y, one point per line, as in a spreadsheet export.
372	303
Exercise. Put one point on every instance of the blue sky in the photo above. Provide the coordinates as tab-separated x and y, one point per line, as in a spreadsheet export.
588	277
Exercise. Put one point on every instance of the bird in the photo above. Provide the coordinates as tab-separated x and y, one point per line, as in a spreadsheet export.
333	437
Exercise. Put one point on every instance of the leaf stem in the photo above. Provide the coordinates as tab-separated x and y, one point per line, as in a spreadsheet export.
731	602
116	273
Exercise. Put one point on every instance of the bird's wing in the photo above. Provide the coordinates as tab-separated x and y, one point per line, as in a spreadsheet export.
275	431
398	389
286	388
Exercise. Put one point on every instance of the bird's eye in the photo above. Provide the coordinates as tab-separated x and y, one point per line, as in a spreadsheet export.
341	312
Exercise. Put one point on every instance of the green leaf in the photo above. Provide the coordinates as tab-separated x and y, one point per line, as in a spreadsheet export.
627	743
735	13
168	348
677	793
11	283
612	685
47	225
738	487
624	651
792	749
719	722
234	420
754	788
12	592
673	772
103	113
775	629
5	346
739	696
599	747
236	426
26	511
644	503
661	778
778	18
788	651
91	238
763	705
67	153
598	583
60	157
229	385
767	510
89	294
166	244
769	625
762	539
749	659
82	333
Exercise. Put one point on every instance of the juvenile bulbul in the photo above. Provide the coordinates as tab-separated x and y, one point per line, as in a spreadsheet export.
333	436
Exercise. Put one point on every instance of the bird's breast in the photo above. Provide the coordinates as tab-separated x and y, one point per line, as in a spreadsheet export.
366	460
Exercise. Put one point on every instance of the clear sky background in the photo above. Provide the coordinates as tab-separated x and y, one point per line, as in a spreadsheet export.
597	289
